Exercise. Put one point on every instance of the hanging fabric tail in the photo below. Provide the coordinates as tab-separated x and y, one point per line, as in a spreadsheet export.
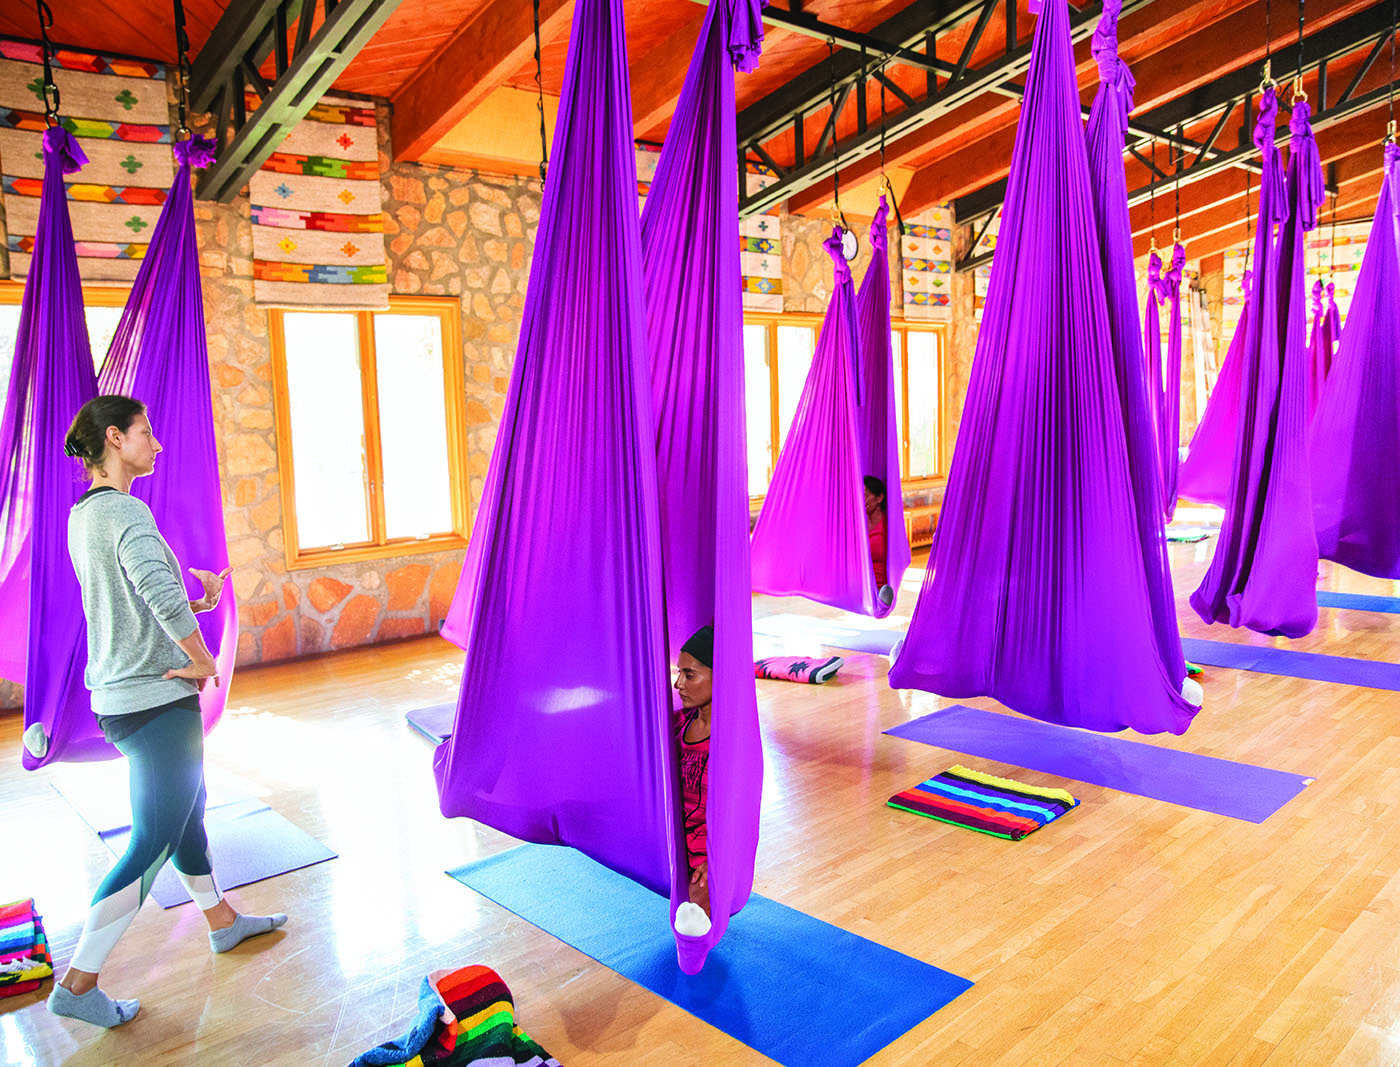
1356	435
561	733
877	430
1333	324
695	338
43	638
160	356
1036	593
1264	570
1204	475
1144	410
811	537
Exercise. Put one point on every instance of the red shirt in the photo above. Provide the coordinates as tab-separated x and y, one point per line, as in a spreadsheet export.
877	552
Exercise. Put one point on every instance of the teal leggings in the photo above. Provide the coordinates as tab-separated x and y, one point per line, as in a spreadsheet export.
167	801
167	822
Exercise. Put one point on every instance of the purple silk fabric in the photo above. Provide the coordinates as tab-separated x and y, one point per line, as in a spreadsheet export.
41	614
562	733
1264	570
1319	349
1204	475
1356	434
877	430
693	285
159	355
811	537
1169	385
1037	594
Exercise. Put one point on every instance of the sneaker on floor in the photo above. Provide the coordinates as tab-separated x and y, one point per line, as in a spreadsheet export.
827	670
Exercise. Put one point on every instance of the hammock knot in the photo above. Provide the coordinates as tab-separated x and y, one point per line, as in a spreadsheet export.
833	248
745	32
1392	159
1317	298
63	146
1112	70
1171	281
1266	121
1312	190
1154	273
196	152
879	228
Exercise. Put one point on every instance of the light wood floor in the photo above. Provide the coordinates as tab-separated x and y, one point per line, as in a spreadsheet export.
1131	932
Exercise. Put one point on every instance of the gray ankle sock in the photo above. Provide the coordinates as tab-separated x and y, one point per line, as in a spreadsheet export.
94	1007
244	927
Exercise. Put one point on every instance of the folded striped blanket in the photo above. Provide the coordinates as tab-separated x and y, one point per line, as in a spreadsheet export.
24	950
985	803
466	1016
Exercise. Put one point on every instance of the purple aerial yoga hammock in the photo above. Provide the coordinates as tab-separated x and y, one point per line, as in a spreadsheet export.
1264	570
160	356
1037	594
1356	433
1204	475
1165	375
811	538
876	425
43	638
693	284
562	733
1103	136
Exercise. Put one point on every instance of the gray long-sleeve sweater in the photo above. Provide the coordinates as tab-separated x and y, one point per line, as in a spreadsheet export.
134	601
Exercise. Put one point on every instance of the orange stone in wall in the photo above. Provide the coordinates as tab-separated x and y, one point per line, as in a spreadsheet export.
406	585
291	595
403	626
279	641
325	593
356	623
443	585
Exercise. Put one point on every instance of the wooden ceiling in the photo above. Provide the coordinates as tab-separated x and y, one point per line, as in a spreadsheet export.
447	67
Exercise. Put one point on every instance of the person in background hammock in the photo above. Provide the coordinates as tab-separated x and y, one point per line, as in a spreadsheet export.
147	662
695	686
875	524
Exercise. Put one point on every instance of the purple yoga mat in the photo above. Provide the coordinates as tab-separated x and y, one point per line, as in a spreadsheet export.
1238	790
249	842
435	722
1344	670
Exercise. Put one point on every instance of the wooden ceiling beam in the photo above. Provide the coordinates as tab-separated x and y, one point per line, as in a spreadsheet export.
657	78
490	48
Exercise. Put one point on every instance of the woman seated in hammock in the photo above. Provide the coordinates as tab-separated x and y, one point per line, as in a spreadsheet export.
694	684
875	524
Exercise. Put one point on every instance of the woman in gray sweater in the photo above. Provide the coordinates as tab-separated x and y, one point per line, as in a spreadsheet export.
147	662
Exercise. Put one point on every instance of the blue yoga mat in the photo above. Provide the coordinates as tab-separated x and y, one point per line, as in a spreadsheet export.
434	723
829	632
1239	790
792	987
1358	601
1345	670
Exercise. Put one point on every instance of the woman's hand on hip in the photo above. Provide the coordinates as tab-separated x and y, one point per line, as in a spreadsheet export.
213	586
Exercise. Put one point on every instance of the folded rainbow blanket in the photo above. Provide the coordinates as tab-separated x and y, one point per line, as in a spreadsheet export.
466	1016
24	950
985	803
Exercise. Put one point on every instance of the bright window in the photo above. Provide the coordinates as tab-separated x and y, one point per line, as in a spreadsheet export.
778	353
102	308
370	431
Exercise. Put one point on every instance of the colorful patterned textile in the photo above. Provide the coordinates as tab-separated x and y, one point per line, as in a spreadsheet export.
926	251
117	109
761	242
466	1016
318	231
813	670
648	156
985	803
24	949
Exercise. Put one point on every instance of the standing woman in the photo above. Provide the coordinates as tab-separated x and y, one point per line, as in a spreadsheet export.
147	662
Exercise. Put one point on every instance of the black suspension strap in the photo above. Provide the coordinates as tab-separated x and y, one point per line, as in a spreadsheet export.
182	47
835	143
539	99
49	88
884	178
1298	93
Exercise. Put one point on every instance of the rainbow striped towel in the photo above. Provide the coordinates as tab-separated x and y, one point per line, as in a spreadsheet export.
985	803
24	950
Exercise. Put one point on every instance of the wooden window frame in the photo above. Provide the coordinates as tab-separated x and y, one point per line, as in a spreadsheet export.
380	546
771	320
